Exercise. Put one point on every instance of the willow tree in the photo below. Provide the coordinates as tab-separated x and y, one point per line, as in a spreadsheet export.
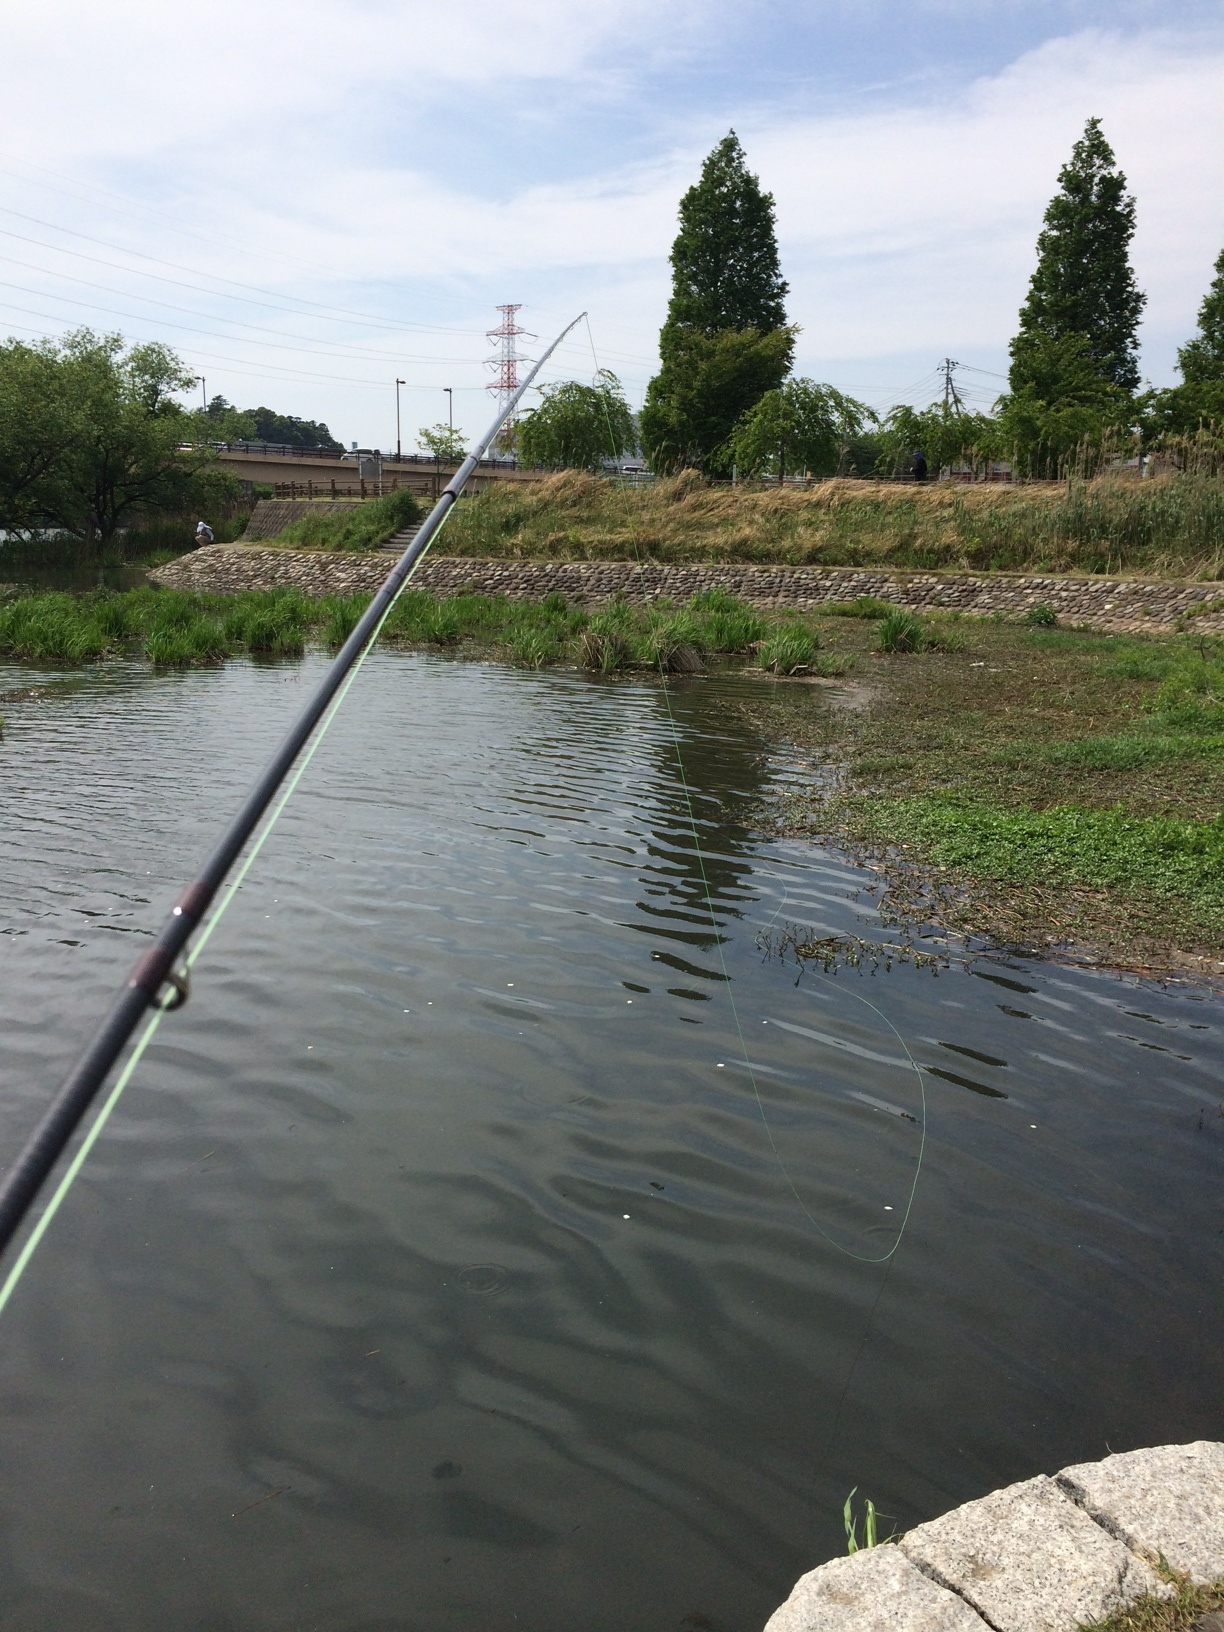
725	342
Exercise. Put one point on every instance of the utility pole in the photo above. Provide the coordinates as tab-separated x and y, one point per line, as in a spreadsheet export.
450	405
398	449
203	391
952	397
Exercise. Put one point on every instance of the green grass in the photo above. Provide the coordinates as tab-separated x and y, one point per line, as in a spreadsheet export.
362	527
1180	1613
173	628
788	650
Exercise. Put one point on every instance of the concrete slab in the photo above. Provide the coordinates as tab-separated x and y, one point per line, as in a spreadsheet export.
877	1590
1166	1502
1029	1560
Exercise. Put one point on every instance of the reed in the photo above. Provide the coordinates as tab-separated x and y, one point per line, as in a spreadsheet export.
1167	526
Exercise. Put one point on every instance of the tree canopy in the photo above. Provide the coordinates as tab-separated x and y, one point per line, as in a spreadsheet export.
1199	400
578	427
91	437
1083	283
725	342
444	442
800	425
725	270
222	422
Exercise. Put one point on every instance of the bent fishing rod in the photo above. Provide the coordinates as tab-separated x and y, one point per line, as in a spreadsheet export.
155	982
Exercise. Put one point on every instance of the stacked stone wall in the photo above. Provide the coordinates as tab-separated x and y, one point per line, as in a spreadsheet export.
1109	603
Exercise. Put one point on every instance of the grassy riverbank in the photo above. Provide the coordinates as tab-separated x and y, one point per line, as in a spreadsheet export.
1168	527
1042	786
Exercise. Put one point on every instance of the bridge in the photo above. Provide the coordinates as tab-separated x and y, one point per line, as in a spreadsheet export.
319	473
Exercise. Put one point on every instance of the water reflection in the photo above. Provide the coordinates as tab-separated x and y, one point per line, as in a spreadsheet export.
460	1257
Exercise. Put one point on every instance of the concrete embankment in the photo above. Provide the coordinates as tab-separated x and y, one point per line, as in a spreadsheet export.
1048	1555
1106	603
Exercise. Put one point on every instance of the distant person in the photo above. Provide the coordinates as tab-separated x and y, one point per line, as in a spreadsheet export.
204	534
920	465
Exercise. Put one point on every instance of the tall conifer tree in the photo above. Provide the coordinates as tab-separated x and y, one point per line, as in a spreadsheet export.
725	342
1202	359
1084	284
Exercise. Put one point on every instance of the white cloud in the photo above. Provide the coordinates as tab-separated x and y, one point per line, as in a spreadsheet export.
907	230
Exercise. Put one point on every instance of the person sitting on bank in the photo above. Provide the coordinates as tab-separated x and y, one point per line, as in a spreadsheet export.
204	533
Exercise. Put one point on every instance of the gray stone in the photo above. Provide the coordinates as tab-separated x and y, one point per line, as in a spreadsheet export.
876	1590
1030	1560
1167	1502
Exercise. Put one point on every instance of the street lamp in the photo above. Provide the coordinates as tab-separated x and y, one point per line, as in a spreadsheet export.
450	406
203	391
399	452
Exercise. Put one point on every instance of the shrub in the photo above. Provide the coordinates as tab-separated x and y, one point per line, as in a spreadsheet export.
1041	617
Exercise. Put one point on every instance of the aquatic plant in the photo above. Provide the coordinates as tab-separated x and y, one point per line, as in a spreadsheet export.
788	650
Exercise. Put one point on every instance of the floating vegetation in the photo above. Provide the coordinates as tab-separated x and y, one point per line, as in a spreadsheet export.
805	948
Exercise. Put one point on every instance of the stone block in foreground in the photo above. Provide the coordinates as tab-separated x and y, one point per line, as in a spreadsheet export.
877	1590
1030	1560
1167	1502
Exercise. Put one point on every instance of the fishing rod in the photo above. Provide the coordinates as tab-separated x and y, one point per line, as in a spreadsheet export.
156	970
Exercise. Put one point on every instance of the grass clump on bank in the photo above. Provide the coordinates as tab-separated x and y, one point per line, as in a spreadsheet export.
365	527
174	628
1169	526
1180	1613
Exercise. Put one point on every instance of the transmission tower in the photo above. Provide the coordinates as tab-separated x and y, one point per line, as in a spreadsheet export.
505	363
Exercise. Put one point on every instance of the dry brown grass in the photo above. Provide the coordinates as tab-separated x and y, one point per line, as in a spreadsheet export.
1171	526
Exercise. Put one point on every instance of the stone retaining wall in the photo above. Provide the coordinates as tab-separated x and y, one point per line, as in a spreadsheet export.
1107	603
1047	1555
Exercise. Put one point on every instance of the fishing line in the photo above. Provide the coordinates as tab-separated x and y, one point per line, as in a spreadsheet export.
752	1077
155	970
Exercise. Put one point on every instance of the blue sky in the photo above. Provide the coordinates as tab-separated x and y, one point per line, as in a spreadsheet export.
310	199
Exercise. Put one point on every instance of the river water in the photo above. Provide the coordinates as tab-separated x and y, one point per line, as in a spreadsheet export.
494	1242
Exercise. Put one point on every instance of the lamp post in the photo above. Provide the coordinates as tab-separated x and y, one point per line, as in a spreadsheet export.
398	450
203	391
450	406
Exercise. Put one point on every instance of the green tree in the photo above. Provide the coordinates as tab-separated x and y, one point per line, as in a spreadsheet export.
1199	399
946	433
123	455
798	425
725	270
578	427
1202	359
34	429
1064	412
444	442
725	342
1083	284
